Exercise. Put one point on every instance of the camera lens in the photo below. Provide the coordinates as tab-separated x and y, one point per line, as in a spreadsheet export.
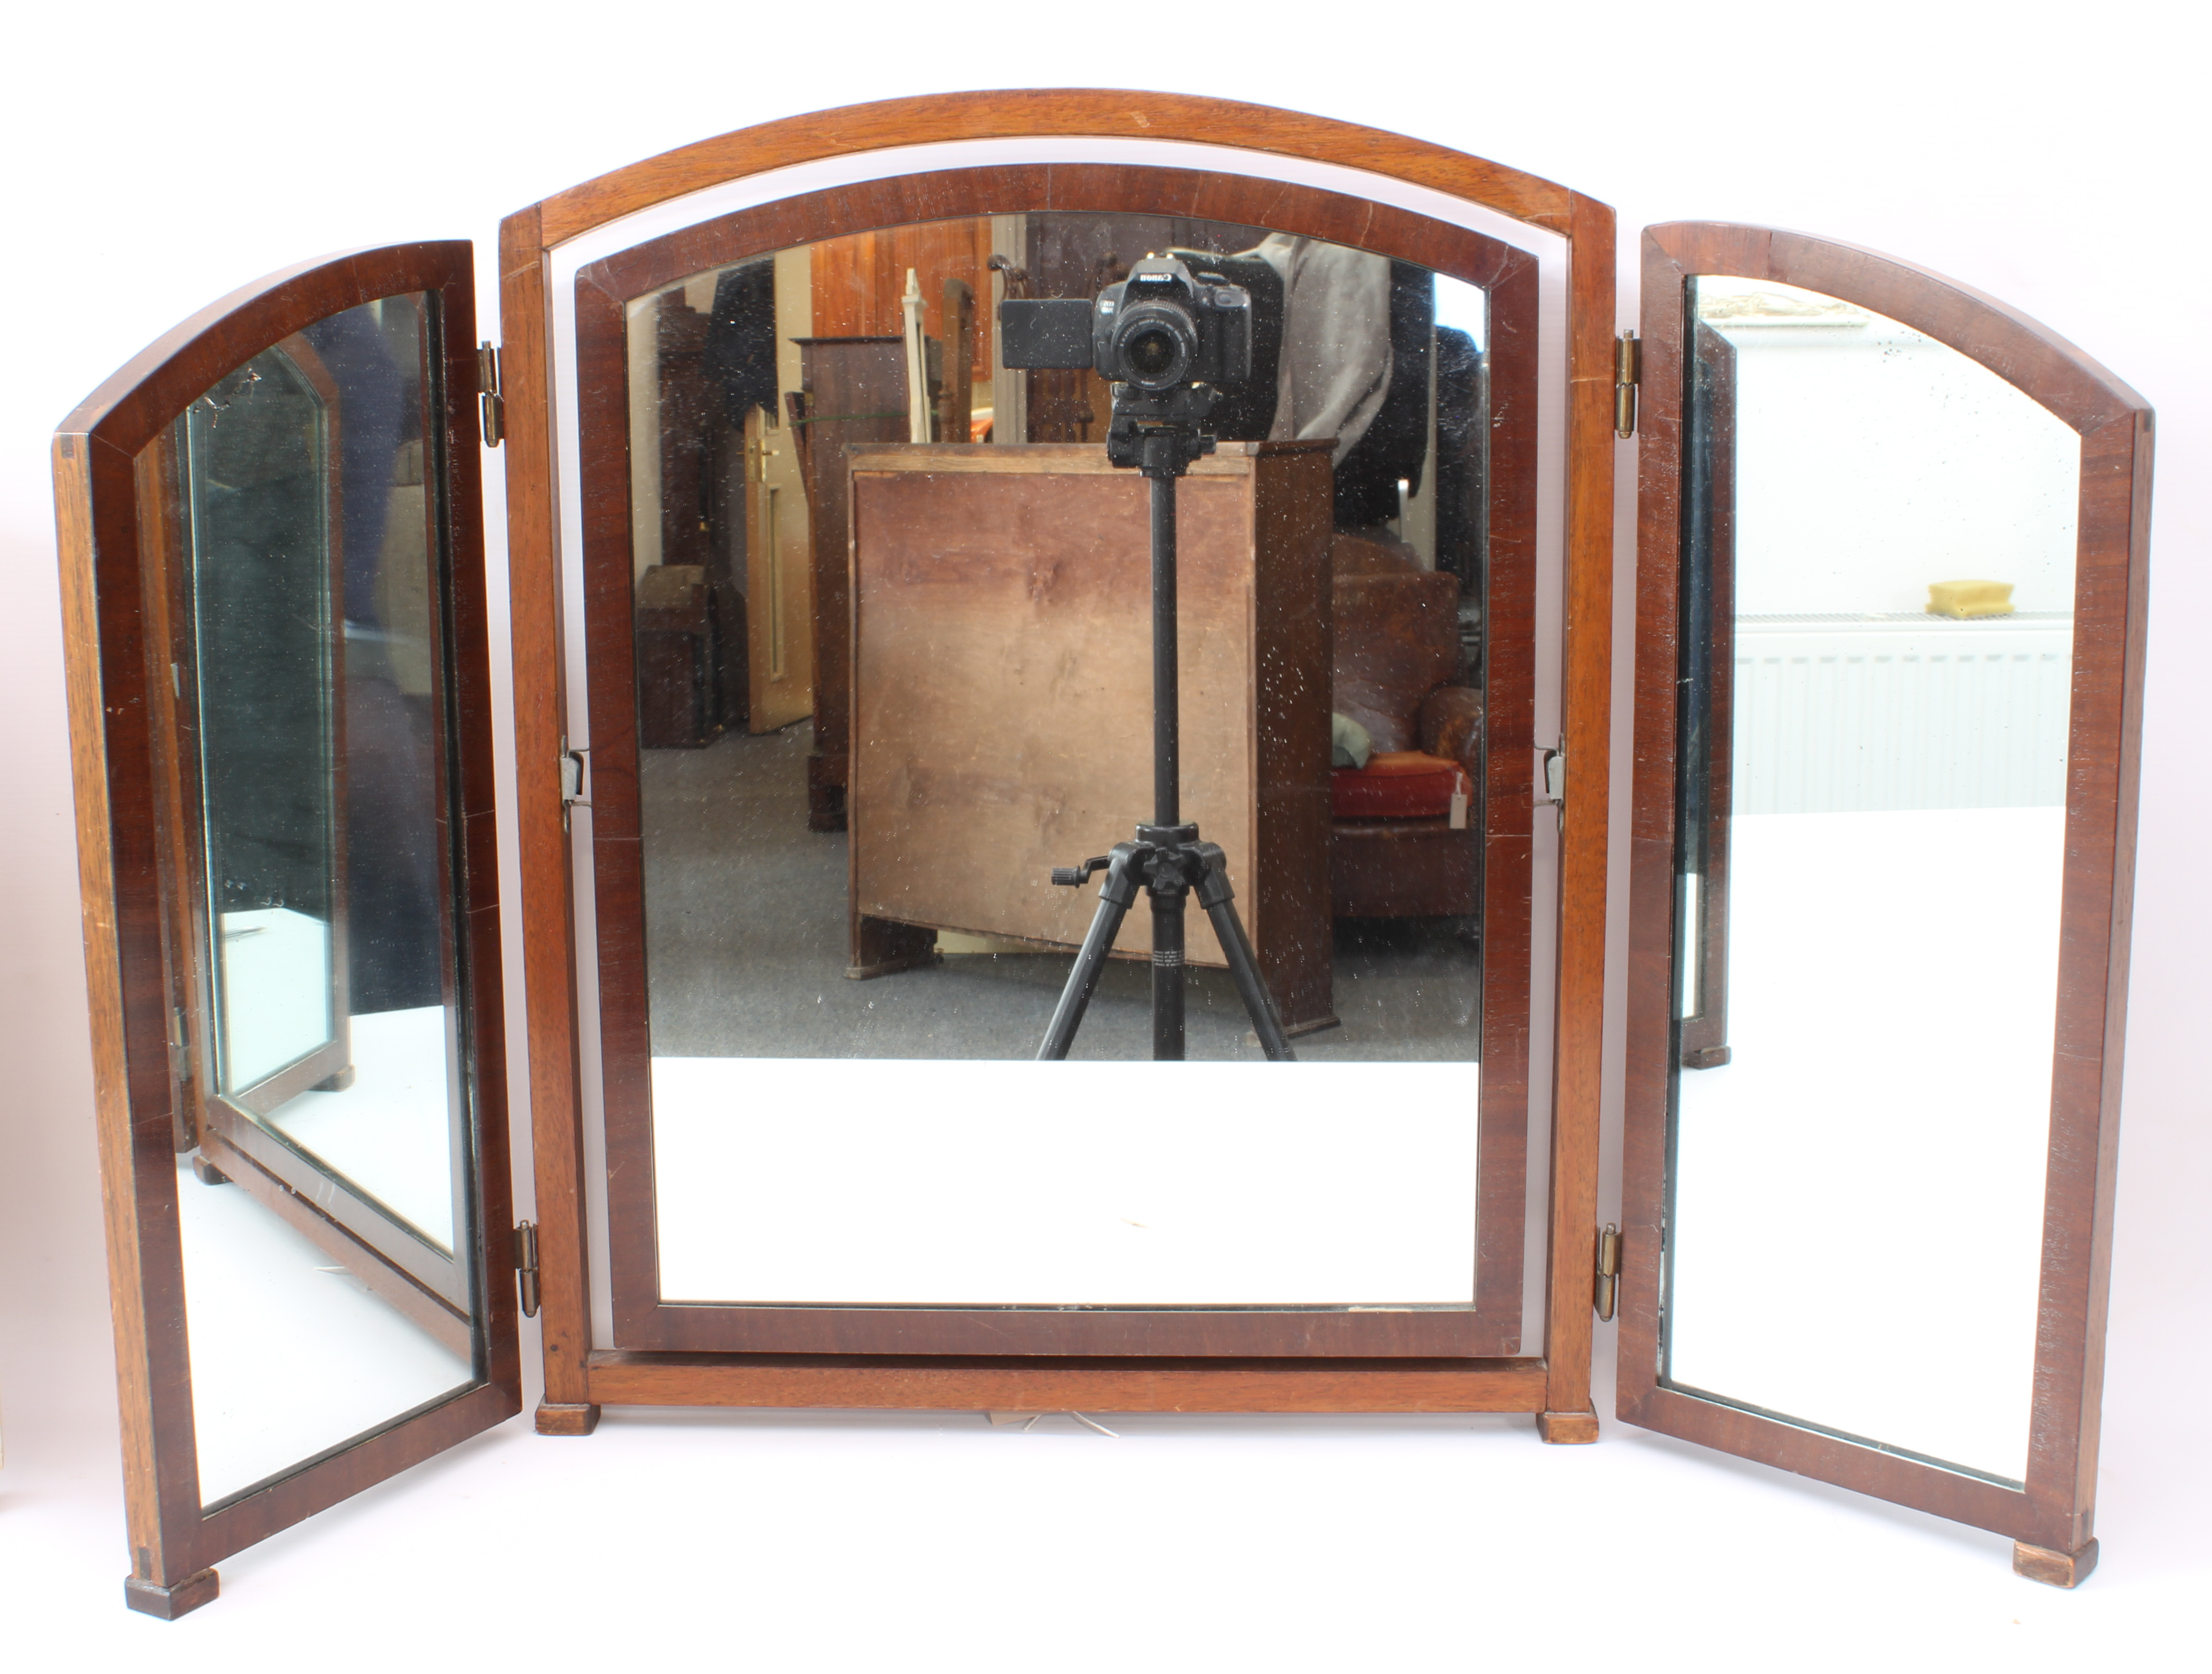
1155	345
1150	352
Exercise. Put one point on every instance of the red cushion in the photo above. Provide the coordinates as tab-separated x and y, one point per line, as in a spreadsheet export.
1398	785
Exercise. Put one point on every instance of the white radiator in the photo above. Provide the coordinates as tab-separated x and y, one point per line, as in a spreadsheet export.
1841	715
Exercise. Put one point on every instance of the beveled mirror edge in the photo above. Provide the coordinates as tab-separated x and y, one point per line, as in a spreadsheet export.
2051	1518
129	973
577	1379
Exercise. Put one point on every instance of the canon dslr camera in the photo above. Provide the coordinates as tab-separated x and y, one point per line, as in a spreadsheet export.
1162	328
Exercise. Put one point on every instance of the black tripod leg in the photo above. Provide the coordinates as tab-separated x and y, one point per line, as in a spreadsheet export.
1115	896
1215	896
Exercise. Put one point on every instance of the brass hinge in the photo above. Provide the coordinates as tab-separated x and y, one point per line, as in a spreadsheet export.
1627	373
492	403
526	1266
1608	1269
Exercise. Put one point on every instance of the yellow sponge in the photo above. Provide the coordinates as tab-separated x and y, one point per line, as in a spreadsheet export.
1970	599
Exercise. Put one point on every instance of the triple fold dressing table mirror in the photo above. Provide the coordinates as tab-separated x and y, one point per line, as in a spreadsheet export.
830	637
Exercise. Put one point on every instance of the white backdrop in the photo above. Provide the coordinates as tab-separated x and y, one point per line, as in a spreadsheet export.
157	157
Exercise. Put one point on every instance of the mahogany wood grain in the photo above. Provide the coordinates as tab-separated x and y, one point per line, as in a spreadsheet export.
168	1603
1587	228
2068	1569
162	533
1033	1384
1567	1429
2053	1510
1509	810
1105	113
1136	1331
542	817
132	965
1587	711
571	1419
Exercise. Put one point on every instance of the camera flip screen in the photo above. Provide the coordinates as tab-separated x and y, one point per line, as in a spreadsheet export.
1051	331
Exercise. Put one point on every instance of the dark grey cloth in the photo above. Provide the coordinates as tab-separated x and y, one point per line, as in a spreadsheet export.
1341	349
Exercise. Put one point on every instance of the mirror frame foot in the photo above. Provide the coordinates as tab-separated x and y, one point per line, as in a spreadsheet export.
206	1173
563	1418
168	1603
1567	1429
2040	1563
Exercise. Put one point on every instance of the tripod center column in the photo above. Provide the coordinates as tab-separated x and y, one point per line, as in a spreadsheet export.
1167	731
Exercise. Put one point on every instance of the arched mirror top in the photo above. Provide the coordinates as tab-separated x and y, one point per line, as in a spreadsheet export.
1058	113
2025	354
146	393
1458	252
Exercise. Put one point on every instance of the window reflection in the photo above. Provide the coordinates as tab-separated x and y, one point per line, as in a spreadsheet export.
1877	642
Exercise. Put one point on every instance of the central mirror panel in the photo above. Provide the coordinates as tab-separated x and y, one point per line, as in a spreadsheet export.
1879	539
871	656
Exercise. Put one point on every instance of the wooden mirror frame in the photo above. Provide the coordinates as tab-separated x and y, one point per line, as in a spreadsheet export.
2051	1519
578	1378
111	599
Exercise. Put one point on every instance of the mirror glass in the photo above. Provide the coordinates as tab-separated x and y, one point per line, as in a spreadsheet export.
1880	539
892	665
323	1189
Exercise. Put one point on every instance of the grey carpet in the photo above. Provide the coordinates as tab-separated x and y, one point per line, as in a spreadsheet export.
746	931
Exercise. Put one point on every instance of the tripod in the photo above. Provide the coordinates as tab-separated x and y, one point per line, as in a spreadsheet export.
1160	434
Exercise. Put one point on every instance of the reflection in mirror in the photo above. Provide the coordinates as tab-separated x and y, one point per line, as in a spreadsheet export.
324	1212
881	691
892	653
1880	539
